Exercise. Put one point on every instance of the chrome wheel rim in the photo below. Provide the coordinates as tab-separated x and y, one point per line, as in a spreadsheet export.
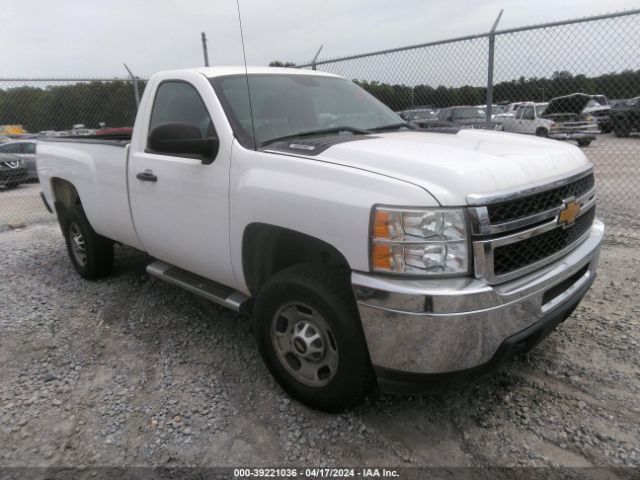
77	244
304	344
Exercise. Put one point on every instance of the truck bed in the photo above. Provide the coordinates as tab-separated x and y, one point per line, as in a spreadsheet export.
117	140
97	167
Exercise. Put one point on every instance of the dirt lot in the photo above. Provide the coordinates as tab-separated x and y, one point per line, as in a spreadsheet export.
130	371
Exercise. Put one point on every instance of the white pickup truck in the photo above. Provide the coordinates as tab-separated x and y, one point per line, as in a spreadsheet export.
560	119
369	253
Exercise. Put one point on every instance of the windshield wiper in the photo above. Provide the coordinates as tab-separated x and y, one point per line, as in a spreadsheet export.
393	126
319	131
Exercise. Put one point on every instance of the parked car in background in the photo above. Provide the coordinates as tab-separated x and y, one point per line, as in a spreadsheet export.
460	117
13	170
79	130
421	117
560	119
625	118
463	116
598	108
26	150
568	120
495	109
527	118
507	112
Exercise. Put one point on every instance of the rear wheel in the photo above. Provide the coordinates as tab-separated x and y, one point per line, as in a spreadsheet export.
91	254
309	335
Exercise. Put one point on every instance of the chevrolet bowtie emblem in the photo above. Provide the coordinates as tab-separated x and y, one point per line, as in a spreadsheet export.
568	214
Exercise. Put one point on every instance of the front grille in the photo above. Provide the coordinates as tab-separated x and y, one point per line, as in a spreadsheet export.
512	257
539	202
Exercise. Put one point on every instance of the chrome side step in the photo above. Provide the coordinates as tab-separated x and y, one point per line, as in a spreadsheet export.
215	292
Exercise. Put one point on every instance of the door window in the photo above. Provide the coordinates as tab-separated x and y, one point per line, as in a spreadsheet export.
29	148
178	101
10	148
528	114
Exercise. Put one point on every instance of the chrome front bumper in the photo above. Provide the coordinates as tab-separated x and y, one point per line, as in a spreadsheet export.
568	134
450	325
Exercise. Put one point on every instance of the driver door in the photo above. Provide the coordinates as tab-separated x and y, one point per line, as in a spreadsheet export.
179	203
518	122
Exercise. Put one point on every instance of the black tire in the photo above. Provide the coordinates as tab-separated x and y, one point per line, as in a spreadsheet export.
584	142
542	132
98	250
327	291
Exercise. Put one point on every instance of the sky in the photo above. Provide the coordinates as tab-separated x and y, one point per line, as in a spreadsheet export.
92	38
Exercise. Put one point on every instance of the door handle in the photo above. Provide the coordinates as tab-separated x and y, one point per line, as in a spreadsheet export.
147	176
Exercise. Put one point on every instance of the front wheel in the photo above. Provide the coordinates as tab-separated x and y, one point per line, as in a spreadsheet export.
542	132
91	254
309	335
584	142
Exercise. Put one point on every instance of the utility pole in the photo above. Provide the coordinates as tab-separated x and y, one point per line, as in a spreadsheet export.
134	80
313	62
204	49
492	45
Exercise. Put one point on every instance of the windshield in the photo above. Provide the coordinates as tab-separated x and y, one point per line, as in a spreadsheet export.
287	105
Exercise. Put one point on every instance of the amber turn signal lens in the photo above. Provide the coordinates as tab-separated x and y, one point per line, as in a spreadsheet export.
381	257
381	224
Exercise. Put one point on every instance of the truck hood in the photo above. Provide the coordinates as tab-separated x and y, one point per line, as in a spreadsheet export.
574	103
452	166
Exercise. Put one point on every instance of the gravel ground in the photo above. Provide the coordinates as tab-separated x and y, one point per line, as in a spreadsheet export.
131	371
22	206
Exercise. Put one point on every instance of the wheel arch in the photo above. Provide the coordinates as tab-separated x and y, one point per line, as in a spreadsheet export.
65	195
64	192
268	249
542	131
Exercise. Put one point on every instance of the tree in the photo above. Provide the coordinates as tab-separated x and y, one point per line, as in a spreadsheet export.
278	63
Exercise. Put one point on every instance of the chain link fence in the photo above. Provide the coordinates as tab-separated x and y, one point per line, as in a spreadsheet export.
597	56
30	108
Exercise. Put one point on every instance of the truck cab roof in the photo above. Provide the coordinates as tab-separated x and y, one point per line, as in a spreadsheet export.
212	72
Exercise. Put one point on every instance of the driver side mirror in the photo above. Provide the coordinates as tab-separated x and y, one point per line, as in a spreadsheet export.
182	140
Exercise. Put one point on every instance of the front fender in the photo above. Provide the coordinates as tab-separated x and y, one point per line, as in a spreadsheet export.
323	200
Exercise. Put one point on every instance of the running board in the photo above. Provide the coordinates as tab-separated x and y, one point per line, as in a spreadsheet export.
215	292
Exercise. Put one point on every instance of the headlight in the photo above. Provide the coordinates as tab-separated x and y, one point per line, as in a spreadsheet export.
419	241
